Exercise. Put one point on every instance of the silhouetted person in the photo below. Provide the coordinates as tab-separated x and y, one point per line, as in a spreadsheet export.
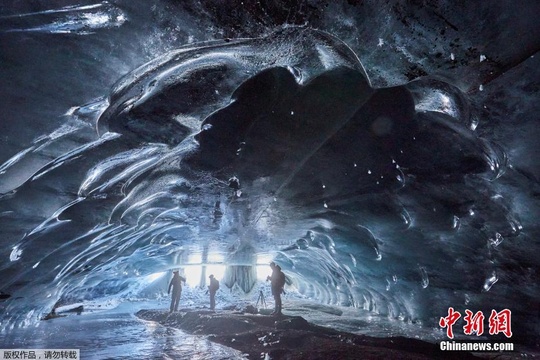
277	282
176	284
212	288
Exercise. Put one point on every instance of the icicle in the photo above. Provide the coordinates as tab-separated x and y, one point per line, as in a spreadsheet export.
490	281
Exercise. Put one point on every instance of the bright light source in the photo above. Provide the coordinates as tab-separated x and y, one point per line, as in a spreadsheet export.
195	258
192	273
264	258
263	271
153	277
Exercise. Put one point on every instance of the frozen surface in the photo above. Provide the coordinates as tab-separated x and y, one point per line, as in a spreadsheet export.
360	157
117	334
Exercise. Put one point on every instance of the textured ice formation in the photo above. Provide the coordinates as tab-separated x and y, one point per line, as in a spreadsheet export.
82	20
381	199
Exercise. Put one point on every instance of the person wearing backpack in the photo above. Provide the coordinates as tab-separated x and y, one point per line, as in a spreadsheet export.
277	282
212	289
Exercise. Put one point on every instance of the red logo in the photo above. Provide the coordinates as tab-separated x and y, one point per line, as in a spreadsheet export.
499	322
474	324
449	321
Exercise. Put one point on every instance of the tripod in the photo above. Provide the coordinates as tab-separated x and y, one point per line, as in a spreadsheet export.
261	299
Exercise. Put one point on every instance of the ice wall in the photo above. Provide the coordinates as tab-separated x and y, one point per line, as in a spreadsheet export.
384	198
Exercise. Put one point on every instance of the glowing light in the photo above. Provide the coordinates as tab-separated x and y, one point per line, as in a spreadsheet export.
263	269
264	258
262	272
195	258
153	277
192	273
215	257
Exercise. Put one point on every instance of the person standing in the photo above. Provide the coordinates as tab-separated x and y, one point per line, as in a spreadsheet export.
212	289
176	285
277	282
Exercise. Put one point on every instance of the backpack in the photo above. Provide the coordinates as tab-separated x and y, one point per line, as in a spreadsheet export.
214	285
281	279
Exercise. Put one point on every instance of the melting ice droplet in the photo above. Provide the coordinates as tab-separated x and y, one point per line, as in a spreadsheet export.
496	240
456	222
15	254
425	278
490	281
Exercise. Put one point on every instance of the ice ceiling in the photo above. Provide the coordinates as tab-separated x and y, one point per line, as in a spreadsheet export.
386	161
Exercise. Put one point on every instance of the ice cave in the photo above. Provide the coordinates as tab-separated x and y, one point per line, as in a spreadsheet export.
382	153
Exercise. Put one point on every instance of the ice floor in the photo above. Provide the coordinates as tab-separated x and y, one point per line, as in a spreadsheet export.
117	334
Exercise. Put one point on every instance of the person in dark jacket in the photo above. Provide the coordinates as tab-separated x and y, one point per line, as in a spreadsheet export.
277	282
212	289
176	285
